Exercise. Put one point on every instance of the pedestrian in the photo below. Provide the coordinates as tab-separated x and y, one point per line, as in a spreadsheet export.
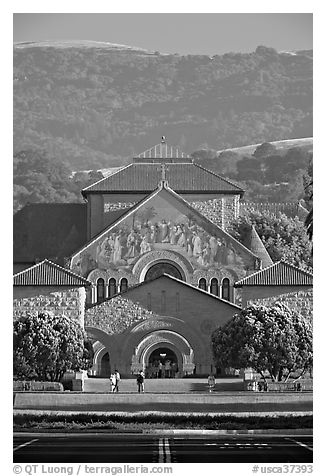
140	382
211	382
117	380
160	369
168	369
113	381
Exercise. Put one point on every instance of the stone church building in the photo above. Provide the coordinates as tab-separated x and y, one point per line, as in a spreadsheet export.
146	264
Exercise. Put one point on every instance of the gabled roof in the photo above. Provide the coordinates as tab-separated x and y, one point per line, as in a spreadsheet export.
279	274
193	211
181	176
47	273
172	278
254	243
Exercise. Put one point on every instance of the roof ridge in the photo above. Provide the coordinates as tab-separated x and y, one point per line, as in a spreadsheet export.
175	279
180	198
162	185
274	265
198	289
257	272
282	260
115	223
217	175
104	178
53	265
30	268
160	145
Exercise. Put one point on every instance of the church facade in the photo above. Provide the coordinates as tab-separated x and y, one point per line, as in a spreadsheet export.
159	266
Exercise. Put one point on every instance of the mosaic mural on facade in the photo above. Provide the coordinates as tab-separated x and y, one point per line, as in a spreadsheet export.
162	223
116	315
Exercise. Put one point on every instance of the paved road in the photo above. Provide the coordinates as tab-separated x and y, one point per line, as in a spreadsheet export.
128	448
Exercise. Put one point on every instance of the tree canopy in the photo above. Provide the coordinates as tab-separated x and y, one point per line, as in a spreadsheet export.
90	112
273	339
264	150
39	178
282	236
46	346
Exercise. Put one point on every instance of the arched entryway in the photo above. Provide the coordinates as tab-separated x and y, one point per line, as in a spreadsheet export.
162	363
162	342
105	365
160	268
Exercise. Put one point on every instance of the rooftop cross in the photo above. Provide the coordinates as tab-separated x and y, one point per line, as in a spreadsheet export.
164	168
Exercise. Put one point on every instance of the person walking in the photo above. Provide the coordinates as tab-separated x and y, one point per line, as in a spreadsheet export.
140	382
113	381
211	382
160	369
168	369
117	380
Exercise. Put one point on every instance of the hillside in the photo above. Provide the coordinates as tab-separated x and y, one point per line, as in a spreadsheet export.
94	105
305	143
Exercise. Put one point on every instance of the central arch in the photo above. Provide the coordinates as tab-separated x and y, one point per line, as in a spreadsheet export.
160	268
163	257
162	362
175	343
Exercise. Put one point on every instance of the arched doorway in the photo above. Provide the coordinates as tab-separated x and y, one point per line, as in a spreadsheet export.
105	368
160	268
162	363
169	342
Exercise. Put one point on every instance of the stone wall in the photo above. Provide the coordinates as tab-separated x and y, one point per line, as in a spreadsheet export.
221	211
299	301
60	300
116	315
114	206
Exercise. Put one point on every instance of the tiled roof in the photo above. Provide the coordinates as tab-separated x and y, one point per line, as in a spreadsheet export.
48	230
181	177
254	244
163	151
47	273
279	274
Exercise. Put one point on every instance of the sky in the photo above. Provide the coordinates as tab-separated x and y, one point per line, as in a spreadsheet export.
182	33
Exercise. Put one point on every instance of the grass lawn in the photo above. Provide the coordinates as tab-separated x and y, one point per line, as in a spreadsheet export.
150	421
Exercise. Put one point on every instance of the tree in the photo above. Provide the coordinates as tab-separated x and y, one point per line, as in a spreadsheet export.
249	169
273	339
227	162
46	346
308	187
282	236
264	150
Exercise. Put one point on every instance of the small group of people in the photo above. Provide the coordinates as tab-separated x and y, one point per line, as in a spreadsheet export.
115	379
158	369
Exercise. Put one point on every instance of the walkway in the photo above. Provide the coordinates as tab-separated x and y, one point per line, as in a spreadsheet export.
187	385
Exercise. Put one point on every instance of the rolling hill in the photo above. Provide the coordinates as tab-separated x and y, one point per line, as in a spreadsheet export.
93	105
